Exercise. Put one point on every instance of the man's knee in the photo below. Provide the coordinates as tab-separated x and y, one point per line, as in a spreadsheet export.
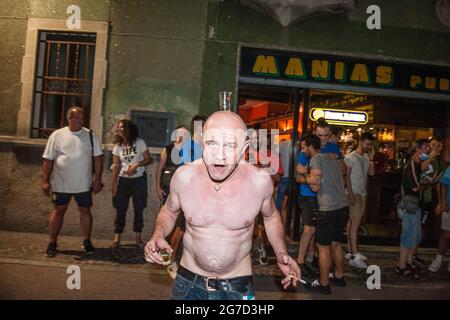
309	231
60	210
335	244
84	210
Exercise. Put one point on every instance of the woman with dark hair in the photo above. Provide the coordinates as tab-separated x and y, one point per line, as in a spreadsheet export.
129	179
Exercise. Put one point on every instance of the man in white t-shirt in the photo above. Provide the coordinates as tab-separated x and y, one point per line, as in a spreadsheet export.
360	163
67	172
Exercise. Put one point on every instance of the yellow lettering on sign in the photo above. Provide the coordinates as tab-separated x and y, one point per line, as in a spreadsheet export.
320	70
360	74
416	82
340	72
444	84
265	65
430	83
295	68
384	76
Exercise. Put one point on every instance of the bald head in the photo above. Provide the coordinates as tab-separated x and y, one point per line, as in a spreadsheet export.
75	118
225	120
224	143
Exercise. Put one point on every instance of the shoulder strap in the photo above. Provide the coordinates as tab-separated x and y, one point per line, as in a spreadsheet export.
92	141
414	173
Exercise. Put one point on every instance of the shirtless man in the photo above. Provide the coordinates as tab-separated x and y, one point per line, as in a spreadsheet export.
220	197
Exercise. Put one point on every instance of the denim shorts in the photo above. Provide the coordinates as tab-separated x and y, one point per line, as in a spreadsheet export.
411	228
184	289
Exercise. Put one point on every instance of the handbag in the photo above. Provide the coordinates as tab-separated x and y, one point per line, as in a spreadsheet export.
409	203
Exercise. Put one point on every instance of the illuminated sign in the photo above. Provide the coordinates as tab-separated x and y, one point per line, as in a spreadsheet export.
341	117
295	66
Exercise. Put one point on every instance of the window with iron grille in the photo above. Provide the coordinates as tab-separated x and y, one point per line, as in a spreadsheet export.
64	72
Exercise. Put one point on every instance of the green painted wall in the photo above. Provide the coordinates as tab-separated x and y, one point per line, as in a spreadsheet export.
154	54
410	30
173	55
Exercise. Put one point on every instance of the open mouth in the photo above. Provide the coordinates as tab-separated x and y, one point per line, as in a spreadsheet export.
219	168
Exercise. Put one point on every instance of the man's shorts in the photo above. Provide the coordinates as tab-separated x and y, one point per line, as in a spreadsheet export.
310	209
83	199
411	228
357	210
331	225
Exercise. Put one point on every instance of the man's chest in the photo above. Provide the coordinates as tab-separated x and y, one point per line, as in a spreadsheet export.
230	209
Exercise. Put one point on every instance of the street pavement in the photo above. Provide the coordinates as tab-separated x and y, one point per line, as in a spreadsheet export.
122	273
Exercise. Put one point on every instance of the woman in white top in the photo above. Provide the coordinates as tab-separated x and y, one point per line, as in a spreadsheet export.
129	179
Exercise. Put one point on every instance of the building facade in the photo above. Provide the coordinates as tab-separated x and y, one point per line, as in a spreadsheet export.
161	61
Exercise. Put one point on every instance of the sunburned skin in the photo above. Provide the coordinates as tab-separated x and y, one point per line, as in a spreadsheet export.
218	235
220	197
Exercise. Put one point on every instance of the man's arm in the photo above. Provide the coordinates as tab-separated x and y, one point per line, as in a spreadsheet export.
161	164
47	168
98	170
275	234
115	173
301	174
314	179
165	222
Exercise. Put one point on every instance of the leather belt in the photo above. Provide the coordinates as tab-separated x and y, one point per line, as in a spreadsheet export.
239	284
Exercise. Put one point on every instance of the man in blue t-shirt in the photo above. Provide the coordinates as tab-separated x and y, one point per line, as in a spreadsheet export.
307	201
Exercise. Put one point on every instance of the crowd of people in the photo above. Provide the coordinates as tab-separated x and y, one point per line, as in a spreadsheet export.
209	208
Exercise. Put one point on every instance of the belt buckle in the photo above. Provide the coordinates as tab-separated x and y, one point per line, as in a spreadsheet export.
207	284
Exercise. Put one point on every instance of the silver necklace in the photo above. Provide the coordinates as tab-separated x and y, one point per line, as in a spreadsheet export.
216	186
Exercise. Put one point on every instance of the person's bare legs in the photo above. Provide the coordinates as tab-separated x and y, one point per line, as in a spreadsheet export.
86	222
138	238
405	257
305	241
443	242
116	240
312	249
353	232
338	259
324	264
56	221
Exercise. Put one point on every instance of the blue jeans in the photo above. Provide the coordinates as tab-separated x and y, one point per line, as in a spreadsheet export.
282	187
184	289
411	229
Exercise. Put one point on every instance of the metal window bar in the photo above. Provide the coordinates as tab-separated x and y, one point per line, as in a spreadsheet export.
64	81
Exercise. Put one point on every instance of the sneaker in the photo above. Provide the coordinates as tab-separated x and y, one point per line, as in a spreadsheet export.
307	271
414	270
357	262
172	270
339	282
435	265
406	272
349	255
316	286
263	257
362	256
88	247
51	250
418	260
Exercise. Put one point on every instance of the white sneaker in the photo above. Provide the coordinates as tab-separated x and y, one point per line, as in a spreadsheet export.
172	270
362	256
348	256
357	262
434	266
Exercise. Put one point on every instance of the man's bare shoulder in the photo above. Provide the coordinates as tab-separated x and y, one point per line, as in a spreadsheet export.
260	178
186	173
